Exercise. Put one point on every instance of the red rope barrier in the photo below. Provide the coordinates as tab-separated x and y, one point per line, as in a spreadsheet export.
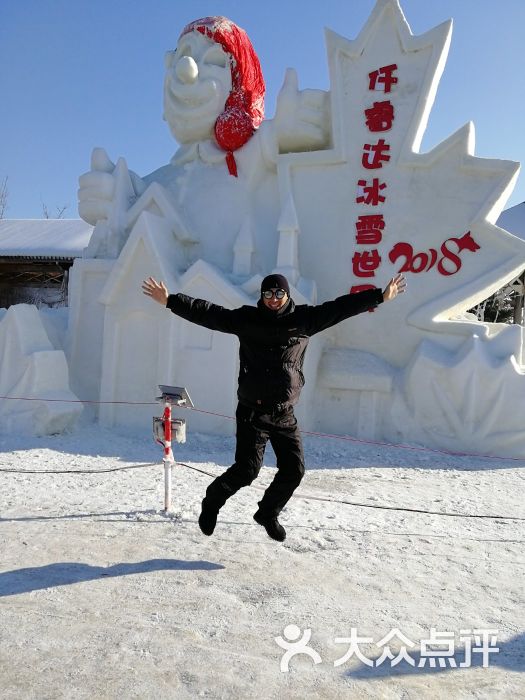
347	438
35	398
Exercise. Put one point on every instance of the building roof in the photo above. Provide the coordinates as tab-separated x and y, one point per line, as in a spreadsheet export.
44	238
67	238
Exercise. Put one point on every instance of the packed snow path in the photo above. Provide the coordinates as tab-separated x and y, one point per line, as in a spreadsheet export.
102	596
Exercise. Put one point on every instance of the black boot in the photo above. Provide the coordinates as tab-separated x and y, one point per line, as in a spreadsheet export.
208	517
217	494
272	526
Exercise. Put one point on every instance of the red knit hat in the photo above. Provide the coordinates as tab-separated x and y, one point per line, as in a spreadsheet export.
244	108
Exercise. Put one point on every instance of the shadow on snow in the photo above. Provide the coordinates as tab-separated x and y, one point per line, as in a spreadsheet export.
36	578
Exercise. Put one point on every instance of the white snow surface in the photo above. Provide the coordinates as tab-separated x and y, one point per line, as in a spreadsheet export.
103	596
62	238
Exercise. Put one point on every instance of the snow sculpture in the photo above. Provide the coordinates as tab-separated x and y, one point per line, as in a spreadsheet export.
334	193
208	222
33	368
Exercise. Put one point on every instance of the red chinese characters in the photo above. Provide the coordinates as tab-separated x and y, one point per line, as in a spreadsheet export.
362	288
380	116
366	263
374	154
383	77
369	229
372	192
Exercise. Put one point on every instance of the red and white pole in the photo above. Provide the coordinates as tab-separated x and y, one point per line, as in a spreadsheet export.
168	456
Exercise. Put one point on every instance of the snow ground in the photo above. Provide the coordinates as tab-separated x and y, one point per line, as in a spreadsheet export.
102	596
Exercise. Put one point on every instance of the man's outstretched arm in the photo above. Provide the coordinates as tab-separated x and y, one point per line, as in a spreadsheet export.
332	312
198	311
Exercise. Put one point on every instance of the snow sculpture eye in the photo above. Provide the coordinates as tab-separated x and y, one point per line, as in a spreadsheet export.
184	50
215	56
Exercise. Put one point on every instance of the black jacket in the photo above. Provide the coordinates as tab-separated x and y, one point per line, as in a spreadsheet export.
272	343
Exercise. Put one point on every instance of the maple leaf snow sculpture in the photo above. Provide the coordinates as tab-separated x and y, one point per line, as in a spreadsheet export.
377	206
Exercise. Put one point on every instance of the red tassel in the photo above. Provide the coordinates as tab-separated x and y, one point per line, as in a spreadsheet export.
232	165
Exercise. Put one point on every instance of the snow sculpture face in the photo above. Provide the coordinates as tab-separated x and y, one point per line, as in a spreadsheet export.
197	84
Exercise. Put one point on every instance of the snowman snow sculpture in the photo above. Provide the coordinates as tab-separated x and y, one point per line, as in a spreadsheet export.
214	106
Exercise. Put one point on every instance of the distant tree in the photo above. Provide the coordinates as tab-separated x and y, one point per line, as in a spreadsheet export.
59	212
4	194
505	306
519	300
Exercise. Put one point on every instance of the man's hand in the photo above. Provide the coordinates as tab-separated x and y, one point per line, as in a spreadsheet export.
156	290
397	285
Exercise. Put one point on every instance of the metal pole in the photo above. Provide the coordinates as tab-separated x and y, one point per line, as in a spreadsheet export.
167	487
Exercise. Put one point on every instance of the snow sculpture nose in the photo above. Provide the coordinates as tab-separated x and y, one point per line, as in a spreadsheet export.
187	70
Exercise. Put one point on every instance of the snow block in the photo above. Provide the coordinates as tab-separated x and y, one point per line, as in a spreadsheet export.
34	377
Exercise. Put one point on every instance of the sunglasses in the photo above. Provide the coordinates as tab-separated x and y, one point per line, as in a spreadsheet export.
269	293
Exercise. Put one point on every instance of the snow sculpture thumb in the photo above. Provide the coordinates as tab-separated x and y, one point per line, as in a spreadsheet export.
97	188
105	195
302	118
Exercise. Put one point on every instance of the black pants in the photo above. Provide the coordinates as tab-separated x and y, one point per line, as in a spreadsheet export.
254	429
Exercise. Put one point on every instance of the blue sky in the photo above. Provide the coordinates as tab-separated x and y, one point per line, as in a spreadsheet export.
77	74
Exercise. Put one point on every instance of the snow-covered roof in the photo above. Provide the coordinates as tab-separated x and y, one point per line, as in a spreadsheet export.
513	220
48	238
67	238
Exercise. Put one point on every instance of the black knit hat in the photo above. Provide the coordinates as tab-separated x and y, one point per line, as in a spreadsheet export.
275	282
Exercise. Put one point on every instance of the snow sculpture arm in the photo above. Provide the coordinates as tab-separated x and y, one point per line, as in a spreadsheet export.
96	194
